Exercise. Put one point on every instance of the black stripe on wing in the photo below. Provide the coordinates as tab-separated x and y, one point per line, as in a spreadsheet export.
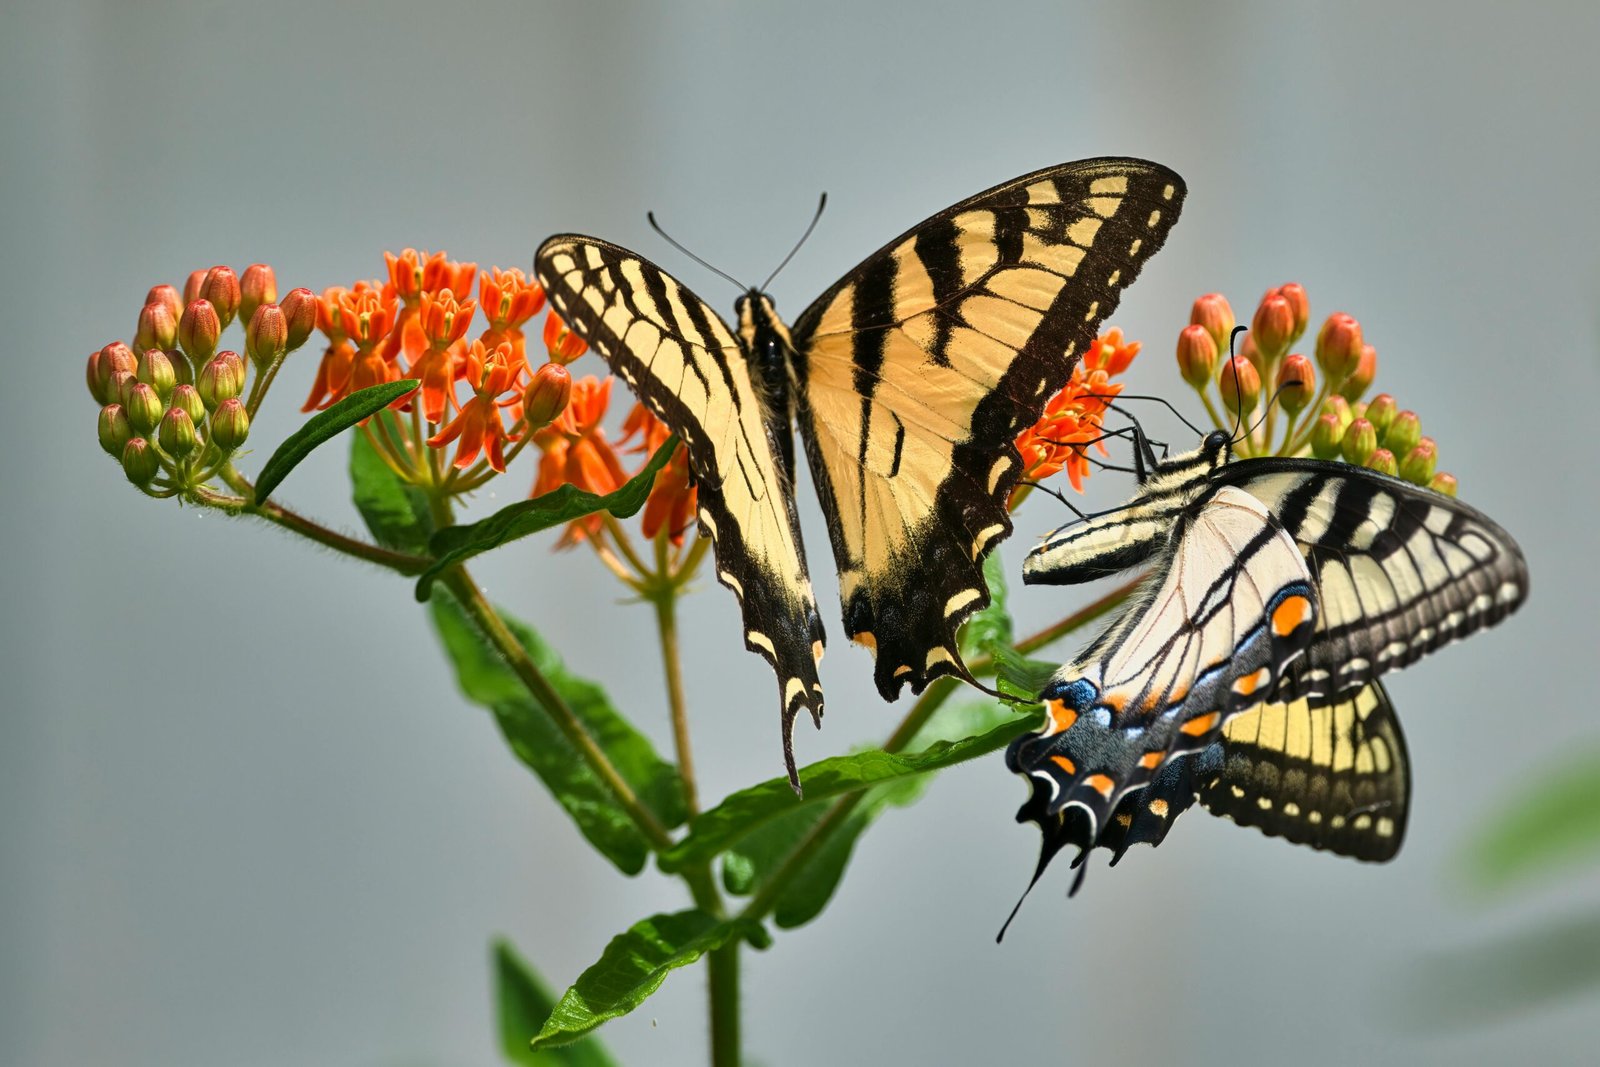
1400	570
936	351
689	370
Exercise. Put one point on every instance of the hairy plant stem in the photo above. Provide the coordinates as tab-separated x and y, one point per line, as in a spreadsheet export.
666	603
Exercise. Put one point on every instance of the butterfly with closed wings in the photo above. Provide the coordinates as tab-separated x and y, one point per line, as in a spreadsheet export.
1244	672
909	379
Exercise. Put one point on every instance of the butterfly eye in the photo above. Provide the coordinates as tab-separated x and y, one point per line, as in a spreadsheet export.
1215	441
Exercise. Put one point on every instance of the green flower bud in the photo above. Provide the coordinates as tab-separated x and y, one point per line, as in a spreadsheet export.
187	398
144	408
122	383
1339	408
1418	466
300	311
1360	441
176	433
1404	433
139	461
156	370
115	431
1197	354
1443	483
230	425
198	330
103	367
1381	412
1382	461
221	379
258	286
221	287
266	339
1326	437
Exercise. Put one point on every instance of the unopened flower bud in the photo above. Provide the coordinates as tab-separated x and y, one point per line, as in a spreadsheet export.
1382	461
1360	379
144	407
1405	433
158	325
1300	304
1197	353
1443	483
257	286
198	330
221	379
176	433
139	461
221	287
1339	346
1248	350
1326	437
1214	313
266	339
122	383
155	369
187	398
1419	464
102	370
1273	327
1381	411
1339	408
115	430
300	312
230	425
1297	380
547	395
191	287
1360	442
1239	384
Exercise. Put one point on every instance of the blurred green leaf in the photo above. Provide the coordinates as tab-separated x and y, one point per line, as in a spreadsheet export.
323	427
1020	677
457	544
634	965
525	1003
990	629
486	680
1509	976
396	513
743	812
1552	826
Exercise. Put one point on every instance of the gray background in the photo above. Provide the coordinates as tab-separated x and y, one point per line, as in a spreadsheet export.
246	819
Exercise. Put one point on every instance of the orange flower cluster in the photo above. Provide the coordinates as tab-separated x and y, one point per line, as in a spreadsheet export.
1072	419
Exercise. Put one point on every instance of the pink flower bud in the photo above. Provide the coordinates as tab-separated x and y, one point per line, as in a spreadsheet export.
300	312
1339	346
1382	461
1327	436
1213	312
1300	304
1197	354
115	430
176	433
158	326
1360	442
198	330
1360	379
221	287
258	286
230	425
155	369
1443	483
144	407
1273	327
547	395
1419	464
1297	381
266	339
139	461
103	367
1240	385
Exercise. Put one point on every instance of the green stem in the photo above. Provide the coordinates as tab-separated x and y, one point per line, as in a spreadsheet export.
399	562
723	976
490	624
666	603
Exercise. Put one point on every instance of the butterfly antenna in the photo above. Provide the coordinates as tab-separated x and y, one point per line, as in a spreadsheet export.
1238	416
821	203
1045	488
1163	401
656	226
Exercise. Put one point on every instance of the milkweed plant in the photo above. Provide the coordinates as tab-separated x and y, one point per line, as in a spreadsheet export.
436	395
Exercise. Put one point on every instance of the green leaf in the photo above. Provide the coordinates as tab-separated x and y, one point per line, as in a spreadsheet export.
486	680
525	1003
743	812
324	426
990	629
395	512
634	965
1018	676
456	544
1555	825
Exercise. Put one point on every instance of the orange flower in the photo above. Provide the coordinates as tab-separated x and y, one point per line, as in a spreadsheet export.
671	503
333	376
445	320
1072	418
478	426
564	345
508	298
438	370
576	452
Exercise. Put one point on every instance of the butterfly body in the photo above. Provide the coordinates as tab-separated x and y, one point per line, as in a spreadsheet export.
907	381
1244	674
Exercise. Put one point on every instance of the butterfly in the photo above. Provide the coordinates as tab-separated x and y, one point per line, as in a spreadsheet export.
908	379
1244	672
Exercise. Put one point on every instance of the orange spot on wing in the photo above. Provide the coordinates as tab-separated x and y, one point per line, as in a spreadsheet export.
1158	808
1061	716
1290	614
1115	701
1101	784
1201	724
866	639
1065	764
1151	760
1251	682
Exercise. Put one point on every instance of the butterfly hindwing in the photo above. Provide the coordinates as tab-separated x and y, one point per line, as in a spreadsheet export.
687	367
917	370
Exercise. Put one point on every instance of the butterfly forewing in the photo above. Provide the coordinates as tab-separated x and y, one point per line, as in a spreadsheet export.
686	366
917	370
